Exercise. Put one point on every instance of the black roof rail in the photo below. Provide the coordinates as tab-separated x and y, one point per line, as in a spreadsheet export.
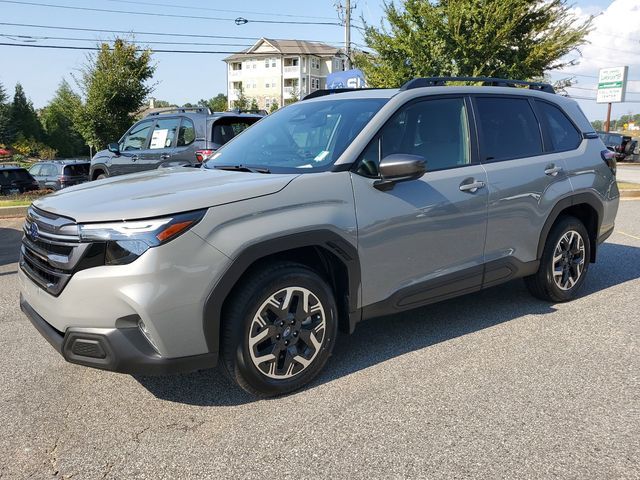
486	81
324	92
180	110
256	111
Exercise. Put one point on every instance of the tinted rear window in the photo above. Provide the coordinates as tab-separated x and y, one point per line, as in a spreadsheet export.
562	133
18	174
509	128
225	128
76	170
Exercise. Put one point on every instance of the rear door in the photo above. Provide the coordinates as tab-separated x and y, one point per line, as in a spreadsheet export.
35	172
526	179
186	143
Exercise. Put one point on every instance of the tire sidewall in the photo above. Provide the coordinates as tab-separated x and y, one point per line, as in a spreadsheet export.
567	224
243	364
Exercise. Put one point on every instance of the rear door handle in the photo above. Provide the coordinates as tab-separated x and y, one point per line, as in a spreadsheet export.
552	170
165	156
134	158
472	187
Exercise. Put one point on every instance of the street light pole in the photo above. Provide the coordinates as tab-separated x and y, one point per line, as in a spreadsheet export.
347	34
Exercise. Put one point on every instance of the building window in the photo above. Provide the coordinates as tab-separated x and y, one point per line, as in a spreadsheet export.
315	63
267	102
266	85
273	62
266	63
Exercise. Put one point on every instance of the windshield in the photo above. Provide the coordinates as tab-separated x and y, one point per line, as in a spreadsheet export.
305	136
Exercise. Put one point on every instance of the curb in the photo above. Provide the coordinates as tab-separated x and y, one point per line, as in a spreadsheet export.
13	212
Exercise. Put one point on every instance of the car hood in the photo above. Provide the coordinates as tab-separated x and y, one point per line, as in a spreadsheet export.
159	192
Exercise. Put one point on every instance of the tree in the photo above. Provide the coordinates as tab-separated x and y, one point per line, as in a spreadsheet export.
241	102
597	125
295	96
215	104
517	39
24	120
58	122
254	105
163	104
5	116
114	85
273	108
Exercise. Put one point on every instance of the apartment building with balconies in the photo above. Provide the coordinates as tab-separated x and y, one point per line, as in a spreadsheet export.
278	71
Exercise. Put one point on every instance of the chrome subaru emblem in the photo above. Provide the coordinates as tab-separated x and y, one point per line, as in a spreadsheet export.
33	230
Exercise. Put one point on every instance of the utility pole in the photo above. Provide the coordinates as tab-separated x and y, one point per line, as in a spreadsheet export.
347	34
607	124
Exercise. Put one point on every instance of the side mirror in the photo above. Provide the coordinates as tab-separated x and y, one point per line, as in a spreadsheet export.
114	148
399	167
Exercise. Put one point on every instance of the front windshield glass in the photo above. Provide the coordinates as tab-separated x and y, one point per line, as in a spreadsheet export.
305	136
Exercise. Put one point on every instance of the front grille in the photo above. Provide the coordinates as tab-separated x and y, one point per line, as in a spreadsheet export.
51	249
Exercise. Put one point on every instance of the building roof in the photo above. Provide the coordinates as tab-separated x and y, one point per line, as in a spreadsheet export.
268	46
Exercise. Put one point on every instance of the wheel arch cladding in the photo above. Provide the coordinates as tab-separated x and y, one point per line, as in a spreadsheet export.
325	251
587	207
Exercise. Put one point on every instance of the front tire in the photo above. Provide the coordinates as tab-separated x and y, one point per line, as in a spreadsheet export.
279	329
564	264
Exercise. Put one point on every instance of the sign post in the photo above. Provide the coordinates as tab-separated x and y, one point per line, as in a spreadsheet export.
612	86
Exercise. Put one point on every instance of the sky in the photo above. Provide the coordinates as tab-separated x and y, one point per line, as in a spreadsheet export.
182	78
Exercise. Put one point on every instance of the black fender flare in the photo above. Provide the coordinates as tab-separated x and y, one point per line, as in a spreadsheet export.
587	198
321	238
98	166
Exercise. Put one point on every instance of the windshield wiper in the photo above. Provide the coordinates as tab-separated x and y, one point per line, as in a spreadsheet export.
242	168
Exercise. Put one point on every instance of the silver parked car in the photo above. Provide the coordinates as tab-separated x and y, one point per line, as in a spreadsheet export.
333	210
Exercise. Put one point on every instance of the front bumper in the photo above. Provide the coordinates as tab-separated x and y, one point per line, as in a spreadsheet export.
123	350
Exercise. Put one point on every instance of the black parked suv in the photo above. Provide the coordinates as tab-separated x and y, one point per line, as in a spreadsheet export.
15	179
623	145
58	174
170	138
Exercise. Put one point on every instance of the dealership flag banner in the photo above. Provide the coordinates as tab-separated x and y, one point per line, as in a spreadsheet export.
612	84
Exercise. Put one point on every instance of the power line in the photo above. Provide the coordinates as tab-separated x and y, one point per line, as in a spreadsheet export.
73	47
131	32
139	42
156	4
169	15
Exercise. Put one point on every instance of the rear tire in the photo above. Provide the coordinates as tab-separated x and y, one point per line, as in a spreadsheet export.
279	329
564	263
101	176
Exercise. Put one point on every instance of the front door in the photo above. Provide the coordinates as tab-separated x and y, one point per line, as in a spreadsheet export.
423	240
132	145
161	146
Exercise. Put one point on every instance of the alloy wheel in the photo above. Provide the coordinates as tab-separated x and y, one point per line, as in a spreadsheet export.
568	260
287	332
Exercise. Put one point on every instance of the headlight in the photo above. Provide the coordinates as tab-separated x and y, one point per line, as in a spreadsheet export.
127	240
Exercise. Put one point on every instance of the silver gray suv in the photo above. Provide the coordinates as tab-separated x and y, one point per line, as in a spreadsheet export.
333	210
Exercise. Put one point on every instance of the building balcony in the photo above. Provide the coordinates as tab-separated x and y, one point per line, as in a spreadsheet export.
291	71
235	73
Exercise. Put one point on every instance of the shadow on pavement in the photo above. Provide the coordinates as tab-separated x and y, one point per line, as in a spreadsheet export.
9	245
381	339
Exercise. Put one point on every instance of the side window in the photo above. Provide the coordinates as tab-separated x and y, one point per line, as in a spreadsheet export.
49	170
434	129
562	133
136	139
35	170
164	133
187	133
509	128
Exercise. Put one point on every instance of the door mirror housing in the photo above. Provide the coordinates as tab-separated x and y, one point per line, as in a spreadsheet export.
114	148
399	167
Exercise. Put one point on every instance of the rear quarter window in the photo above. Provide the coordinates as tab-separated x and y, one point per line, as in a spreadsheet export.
563	135
226	128
76	170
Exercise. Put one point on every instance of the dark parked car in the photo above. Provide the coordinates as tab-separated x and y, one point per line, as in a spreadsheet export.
623	145
15	179
57	174
170	138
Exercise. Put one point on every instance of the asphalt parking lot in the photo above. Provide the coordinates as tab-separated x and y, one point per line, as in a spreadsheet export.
492	385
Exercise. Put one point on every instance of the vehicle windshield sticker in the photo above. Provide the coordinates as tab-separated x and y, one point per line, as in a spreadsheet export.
159	138
321	156
308	165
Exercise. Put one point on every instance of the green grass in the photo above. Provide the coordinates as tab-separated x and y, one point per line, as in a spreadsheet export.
22	199
628	186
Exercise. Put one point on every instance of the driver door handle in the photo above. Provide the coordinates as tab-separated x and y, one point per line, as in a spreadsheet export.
165	156
134	158
472	187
